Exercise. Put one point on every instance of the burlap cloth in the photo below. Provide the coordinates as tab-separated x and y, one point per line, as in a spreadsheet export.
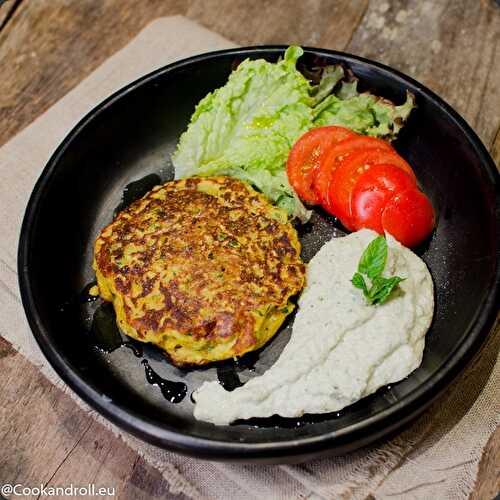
437	457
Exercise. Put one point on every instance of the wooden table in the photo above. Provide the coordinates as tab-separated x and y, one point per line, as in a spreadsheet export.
48	46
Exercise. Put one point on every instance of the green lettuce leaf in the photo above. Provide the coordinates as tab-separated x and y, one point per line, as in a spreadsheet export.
330	76
247	127
364	113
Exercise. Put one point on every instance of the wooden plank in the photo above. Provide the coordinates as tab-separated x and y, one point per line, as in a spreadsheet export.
488	478
49	46
323	24
451	47
49	439
44	52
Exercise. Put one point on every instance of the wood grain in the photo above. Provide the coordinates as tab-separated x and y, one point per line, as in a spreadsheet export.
488	478
49	439
48	46
44	52
310	22
451	47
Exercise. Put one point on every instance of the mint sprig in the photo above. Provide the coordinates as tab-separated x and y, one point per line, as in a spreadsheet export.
371	264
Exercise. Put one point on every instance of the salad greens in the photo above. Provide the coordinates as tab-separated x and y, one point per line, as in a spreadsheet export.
364	113
371	264
247	127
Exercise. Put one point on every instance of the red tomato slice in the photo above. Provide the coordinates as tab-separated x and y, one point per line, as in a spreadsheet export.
338	153
349	171
409	217
373	190
307	154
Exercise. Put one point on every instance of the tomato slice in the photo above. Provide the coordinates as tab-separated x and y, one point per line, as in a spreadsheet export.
373	190
349	171
338	153
409	217
306	155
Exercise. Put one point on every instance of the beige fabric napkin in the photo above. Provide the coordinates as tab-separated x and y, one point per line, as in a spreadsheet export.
437	456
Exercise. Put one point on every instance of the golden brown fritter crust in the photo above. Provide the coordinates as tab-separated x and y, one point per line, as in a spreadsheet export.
203	267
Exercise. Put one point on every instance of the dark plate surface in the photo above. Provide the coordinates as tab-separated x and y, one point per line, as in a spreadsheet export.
131	135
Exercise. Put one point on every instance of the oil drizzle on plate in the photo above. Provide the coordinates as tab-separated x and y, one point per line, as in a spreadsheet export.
104	332
172	391
107	337
289	423
226	373
248	361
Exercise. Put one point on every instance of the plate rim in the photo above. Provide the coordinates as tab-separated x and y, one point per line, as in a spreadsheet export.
366	430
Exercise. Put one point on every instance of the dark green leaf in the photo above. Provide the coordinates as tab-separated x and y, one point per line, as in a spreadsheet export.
372	264
382	288
373	260
359	282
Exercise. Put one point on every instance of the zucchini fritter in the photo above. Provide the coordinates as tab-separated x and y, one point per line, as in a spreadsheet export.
203	267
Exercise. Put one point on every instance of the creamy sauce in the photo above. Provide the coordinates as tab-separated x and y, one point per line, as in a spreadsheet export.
341	349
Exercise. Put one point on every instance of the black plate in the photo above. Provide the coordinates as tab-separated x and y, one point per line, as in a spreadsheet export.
131	135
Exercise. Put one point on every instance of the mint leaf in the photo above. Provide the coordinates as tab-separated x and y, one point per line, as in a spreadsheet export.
359	282
371	264
381	289
373	259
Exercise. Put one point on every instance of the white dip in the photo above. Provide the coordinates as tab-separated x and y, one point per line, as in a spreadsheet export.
341	349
